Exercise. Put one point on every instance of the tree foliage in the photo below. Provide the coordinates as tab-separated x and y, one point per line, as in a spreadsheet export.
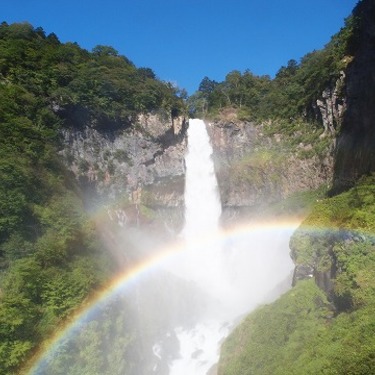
312	330
50	258
100	88
291	94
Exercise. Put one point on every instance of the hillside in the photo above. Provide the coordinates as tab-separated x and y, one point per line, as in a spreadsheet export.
92	179
52	257
324	323
274	138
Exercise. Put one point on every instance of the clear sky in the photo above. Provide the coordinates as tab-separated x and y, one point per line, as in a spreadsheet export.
185	40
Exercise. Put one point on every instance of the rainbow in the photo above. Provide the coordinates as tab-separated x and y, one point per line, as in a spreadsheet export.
124	281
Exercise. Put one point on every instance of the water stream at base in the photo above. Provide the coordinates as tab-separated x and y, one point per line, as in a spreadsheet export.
236	275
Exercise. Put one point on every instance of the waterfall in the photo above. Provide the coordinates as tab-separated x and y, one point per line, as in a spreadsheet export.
183	303
202	201
203	258
236	273
201	262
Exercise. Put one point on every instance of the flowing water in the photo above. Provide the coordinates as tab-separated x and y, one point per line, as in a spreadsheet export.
202	261
236	272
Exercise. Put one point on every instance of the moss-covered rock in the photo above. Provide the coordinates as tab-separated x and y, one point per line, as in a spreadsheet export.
322	325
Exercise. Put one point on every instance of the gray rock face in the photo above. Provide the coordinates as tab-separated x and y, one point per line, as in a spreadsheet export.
250	174
332	105
302	272
120	165
231	142
355	153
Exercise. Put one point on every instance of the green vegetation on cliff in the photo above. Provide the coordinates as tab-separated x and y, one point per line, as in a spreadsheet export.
325	324
291	94
49	256
99	88
51	260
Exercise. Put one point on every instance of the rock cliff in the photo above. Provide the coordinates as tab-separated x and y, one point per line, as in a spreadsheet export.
354	157
331	105
258	164
139	170
355	152
141	165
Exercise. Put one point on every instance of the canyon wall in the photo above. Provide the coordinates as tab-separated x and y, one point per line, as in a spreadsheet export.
355	152
257	165
132	168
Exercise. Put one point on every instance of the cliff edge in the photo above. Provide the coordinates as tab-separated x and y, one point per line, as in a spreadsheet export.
355	151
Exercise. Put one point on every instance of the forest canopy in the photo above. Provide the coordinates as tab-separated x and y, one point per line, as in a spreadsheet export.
292	93
100	87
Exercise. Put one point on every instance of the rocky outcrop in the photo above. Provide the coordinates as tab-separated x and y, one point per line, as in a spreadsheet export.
302	272
254	169
142	164
355	153
331	105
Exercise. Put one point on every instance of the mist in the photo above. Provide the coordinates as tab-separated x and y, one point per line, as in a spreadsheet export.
189	291
237	268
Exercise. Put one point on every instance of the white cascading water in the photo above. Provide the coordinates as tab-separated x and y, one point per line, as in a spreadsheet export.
236	275
202	201
201	262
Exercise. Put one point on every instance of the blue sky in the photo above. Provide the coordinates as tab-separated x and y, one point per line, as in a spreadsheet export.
185	40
